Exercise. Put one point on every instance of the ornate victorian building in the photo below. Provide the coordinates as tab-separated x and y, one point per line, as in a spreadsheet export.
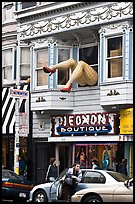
88	117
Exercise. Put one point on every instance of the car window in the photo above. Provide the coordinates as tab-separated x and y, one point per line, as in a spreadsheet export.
14	176
118	176
6	174
9	174
93	177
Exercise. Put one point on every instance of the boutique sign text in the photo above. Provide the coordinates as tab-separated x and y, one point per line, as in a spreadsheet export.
83	124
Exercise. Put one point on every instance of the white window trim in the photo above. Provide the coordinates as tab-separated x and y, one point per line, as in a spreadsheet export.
113	79
71	51
5	81
36	87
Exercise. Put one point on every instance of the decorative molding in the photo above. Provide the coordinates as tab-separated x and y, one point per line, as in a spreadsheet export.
114	11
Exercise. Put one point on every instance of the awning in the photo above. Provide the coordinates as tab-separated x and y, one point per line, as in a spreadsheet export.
8	109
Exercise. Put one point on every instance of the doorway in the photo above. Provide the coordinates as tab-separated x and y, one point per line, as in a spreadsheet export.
63	155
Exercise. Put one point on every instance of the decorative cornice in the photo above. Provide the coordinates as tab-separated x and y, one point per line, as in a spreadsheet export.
92	16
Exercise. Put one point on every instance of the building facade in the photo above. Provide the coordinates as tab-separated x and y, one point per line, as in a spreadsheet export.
89	118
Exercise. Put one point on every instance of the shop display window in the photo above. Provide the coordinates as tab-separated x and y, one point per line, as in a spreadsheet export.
105	154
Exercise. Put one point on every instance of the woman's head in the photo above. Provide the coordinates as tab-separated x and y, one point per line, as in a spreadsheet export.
52	161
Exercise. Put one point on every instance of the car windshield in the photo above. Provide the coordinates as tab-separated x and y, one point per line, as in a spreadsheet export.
9	174
119	176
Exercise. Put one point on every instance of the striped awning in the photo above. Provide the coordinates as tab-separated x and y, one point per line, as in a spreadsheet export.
8	109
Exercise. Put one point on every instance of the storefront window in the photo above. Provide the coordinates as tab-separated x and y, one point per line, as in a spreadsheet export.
105	154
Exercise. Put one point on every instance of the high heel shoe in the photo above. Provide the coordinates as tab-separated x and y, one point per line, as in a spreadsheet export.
48	70
66	89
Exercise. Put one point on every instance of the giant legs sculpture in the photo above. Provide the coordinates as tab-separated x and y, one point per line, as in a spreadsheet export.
83	73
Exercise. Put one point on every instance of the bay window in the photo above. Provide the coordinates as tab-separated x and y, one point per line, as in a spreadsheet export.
41	61
7	64
114	57
90	56
24	63
63	74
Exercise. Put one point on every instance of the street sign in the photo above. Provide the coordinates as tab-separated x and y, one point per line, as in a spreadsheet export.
18	93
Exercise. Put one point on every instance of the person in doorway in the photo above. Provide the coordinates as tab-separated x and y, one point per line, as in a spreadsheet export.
22	166
52	172
95	164
83	73
73	177
123	167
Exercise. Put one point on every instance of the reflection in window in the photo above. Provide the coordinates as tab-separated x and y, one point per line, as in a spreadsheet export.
7	11
28	4
63	75
25	63
41	61
90	56
7	64
114	57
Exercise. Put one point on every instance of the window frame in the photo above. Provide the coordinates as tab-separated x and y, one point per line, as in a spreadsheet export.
111	79
24	64
70	50
39	68
12	80
11	6
92	65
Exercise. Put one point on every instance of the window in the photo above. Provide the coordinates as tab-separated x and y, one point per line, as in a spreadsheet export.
28	4
25	63
41	61
7	64
114	57
63	75
7	11
90	56
93	177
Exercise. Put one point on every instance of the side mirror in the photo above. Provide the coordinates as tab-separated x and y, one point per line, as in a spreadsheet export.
126	183
52	179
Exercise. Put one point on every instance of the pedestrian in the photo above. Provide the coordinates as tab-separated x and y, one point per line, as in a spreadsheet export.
82	72
52	171
22	166
95	164
123	167
73	177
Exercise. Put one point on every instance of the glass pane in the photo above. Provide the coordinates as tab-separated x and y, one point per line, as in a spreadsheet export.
25	71
89	55
8	73
42	58
25	55
8	57
28	4
115	67
114	47
42	79
63	75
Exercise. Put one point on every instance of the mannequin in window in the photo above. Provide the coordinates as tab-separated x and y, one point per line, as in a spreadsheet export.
106	157
81	157
83	73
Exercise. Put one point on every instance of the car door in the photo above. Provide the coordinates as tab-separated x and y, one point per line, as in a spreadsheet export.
91	179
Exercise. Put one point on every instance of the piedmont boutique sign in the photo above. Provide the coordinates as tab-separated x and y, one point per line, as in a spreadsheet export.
83	124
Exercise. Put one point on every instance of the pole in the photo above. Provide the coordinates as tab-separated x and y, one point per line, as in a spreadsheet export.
16	150
17	144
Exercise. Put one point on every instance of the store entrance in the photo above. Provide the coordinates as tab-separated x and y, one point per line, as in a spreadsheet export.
64	156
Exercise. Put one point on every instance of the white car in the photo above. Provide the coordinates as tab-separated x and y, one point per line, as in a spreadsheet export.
92	178
106	193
